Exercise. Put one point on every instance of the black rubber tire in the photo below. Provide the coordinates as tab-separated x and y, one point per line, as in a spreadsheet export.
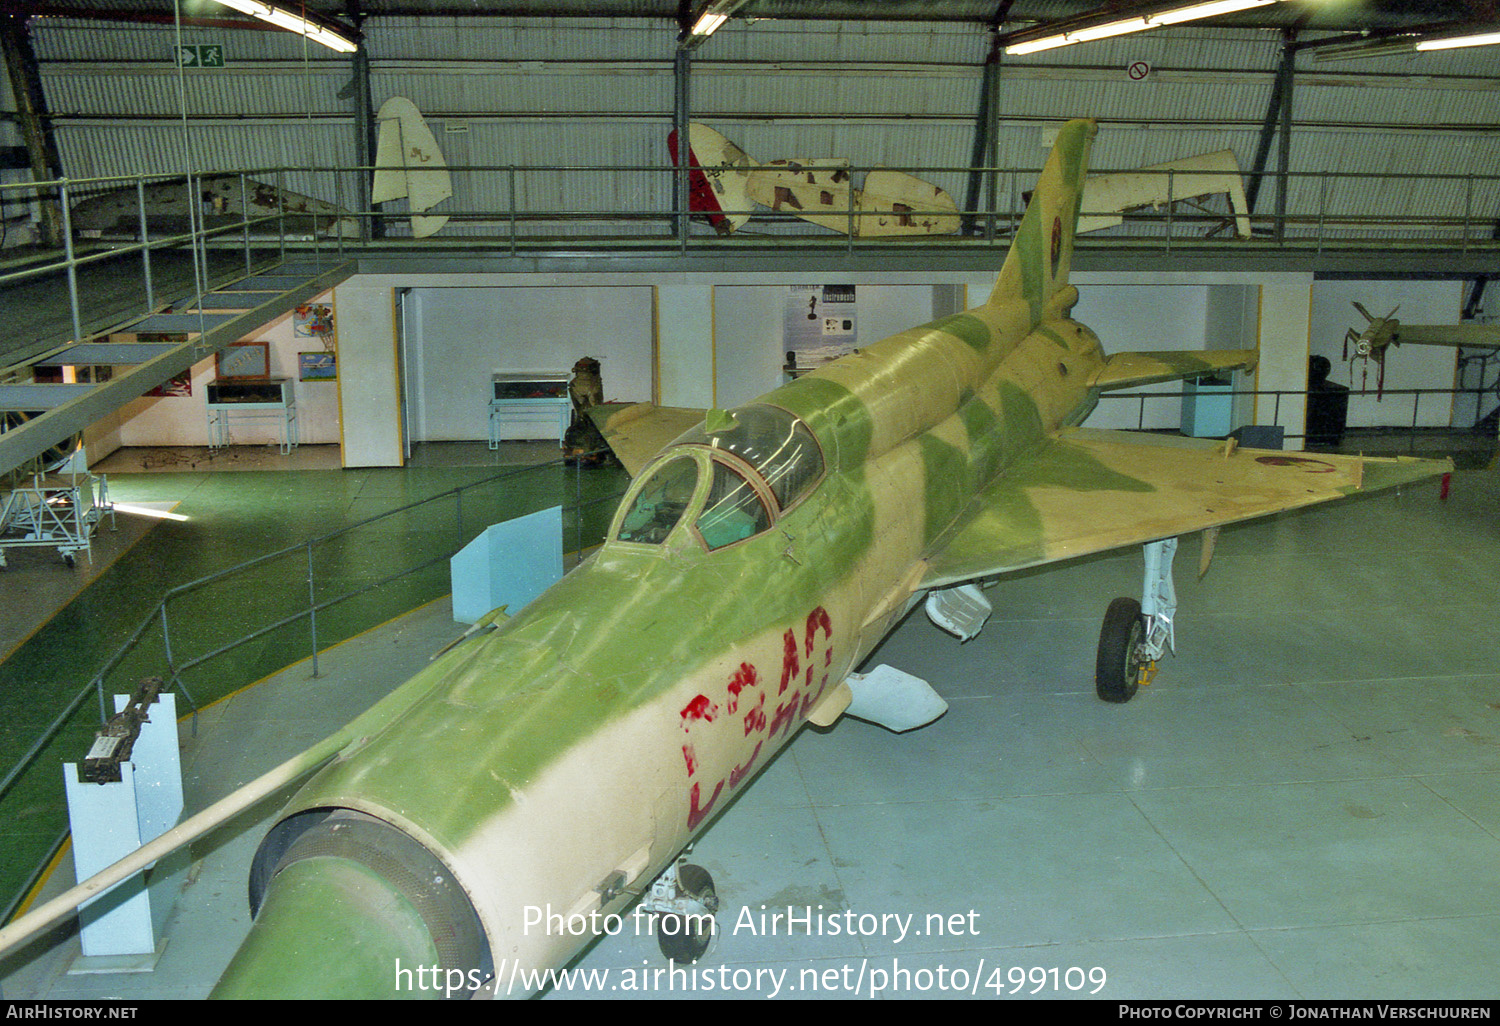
1117	672
684	940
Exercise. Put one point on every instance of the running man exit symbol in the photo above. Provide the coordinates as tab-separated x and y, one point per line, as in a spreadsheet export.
201	55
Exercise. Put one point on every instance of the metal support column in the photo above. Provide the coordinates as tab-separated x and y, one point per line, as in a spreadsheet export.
33	120
1284	159
364	136
1280	97
985	152
682	66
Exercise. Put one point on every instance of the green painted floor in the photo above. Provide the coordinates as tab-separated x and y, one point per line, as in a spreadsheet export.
233	518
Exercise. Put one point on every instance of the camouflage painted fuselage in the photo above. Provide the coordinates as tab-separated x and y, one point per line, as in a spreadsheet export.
561	762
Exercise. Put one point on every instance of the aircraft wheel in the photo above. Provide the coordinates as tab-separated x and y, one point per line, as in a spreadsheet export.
1117	673
684	938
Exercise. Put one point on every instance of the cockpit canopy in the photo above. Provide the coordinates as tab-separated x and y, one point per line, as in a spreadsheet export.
778	445
778	451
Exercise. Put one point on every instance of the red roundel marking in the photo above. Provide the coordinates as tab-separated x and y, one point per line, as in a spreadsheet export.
1311	466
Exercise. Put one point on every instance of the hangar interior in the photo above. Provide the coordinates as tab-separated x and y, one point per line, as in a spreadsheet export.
1305	804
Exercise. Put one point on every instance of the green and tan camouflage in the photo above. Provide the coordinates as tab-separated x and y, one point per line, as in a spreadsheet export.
556	765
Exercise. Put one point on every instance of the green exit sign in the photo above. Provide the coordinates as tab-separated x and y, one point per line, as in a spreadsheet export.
201	55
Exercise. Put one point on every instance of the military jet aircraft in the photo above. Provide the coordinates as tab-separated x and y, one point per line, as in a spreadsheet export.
490	816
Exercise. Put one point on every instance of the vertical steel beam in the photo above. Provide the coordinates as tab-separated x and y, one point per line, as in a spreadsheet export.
983	143
984	153
364	135
1280	89
1284	156
682	67
34	122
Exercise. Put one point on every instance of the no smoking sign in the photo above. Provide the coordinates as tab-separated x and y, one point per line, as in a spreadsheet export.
1138	71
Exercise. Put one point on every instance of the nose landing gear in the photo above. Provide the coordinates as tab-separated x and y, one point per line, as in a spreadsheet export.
684	902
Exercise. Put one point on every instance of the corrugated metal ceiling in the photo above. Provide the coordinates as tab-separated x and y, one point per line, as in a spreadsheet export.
1320	14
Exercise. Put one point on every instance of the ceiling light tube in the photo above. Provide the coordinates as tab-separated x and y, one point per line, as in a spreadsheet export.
707	23
1112	28
1139	23
1205	10
292	23
247	7
1452	42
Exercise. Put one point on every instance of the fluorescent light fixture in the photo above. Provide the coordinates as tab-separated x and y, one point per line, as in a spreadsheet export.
292	23
709	19
1452	42
1207	10
1138	23
707	23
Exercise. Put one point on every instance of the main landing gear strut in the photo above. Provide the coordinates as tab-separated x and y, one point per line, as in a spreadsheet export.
1137	634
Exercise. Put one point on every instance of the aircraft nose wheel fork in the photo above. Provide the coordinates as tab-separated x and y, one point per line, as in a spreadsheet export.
684	901
1136	635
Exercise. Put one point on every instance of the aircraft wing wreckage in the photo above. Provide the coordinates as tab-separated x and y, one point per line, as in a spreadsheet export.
491	812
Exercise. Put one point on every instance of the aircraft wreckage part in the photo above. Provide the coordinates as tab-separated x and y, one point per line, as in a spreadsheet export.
222	200
1106	197
360	900
821	191
896	203
724	183
410	165
718	183
1117	671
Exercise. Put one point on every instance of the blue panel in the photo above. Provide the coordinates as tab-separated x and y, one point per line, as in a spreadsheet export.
509	564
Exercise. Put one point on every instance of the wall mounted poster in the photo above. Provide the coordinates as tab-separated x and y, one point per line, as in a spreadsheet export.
317	367
313	320
820	324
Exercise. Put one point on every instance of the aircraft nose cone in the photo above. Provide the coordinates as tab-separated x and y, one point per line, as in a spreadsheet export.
333	928
355	908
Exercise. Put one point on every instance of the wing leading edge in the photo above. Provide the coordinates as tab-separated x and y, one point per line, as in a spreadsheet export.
1127	370
1090	491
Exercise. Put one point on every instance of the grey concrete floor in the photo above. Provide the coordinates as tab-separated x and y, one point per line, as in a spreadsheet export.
1304	804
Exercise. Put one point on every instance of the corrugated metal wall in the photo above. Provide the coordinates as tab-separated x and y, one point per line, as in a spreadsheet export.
599	92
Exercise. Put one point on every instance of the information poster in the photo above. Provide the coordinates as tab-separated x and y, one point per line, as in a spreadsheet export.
820	324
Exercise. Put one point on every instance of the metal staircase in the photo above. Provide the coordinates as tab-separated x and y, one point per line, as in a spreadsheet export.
40	416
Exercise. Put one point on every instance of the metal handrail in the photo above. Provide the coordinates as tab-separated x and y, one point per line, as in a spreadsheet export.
1275	421
990	224
176	667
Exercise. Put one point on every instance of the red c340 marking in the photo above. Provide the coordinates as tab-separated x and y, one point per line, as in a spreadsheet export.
745	697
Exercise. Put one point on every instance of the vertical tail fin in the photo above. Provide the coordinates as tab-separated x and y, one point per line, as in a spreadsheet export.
1036	269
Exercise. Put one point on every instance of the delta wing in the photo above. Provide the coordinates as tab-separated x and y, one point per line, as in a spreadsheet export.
638	432
1090	491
